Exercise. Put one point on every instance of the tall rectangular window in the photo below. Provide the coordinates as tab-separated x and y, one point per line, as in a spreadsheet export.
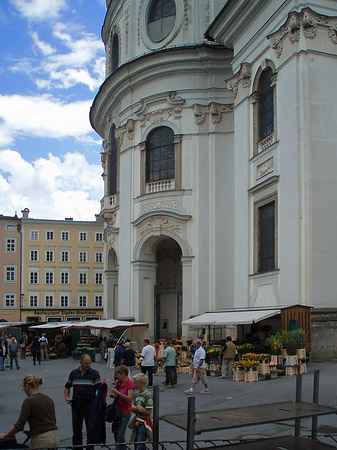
82	301
266	237
49	301
98	278
49	235
10	300
34	235
11	245
82	278
99	237
33	277
64	235
49	255
83	257
49	277
64	301
98	257
83	236
98	301
64	256
10	274
33	301
64	277
34	255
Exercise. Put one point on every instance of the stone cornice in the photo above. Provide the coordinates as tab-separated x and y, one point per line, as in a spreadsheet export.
305	23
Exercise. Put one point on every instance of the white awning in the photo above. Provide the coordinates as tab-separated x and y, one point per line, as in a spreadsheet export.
233	317
105	324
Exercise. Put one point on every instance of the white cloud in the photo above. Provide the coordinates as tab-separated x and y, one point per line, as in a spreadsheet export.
39	9
52	187
44	47
42	116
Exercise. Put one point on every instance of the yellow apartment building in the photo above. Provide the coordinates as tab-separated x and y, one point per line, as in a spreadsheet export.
62	270
10	253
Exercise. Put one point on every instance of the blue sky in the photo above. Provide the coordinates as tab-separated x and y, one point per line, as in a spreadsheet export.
52	62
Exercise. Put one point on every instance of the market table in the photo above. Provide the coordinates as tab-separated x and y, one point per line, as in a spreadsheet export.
284	443
249	416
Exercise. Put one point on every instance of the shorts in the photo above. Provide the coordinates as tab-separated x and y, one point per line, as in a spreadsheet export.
50	439
199	375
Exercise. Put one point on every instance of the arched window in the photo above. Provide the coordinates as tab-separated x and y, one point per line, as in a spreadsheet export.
265	104
112	165
160	155
115	52
161	19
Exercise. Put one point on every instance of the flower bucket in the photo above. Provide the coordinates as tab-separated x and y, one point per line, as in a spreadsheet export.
302	368
292	360
251	376
238	375
291	370
263	369
274	359
301	353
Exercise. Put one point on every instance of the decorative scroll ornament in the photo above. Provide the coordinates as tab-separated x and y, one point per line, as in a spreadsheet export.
241	78
307	21
174	99
157	224
157	117
128	128
215	110
110	236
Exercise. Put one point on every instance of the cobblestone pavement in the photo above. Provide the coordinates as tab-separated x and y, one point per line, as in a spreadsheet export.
223	394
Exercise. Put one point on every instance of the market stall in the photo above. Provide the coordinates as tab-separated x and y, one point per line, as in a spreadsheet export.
136	332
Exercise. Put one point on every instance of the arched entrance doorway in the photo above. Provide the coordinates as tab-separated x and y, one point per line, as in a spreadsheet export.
168	290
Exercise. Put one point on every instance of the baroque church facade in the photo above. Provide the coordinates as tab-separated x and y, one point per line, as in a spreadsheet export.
219	157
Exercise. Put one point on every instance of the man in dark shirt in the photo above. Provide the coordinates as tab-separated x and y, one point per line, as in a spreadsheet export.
129	358
85	382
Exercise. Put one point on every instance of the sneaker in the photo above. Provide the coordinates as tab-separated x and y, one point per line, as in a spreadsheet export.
170	386
188	391
222	378
204	391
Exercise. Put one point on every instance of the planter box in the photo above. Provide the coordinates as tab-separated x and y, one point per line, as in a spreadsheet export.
238	375
291	370
301	353
263	369
251	376
292	360
302	368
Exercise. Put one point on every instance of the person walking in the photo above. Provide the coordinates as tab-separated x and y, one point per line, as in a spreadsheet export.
119	350
85	382
44	347
39	411
36	350
129	358
123	390
228	355
199	369
110	344
13	349
169	358
3	352
148	354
